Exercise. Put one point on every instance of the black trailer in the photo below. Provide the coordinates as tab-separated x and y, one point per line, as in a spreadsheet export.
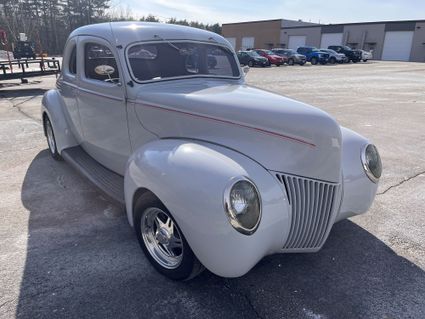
22	69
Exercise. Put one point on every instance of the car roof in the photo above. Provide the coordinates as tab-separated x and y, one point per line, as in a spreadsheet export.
123	33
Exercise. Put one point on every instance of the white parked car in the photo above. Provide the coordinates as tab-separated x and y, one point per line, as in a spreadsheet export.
213	172
366	55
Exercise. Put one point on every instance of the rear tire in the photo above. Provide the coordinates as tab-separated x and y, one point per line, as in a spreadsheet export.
51	140
332	60
365	60
314	60
251	63
162	241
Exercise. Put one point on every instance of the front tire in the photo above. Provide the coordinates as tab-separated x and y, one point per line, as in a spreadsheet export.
314	60
365	60
332	60
162	241
251	63
291	62
51	140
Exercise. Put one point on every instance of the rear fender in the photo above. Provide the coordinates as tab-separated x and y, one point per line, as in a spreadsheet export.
190	178
53	106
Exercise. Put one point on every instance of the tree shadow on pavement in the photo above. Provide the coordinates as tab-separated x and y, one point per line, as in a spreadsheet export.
21	92
17	84
83	261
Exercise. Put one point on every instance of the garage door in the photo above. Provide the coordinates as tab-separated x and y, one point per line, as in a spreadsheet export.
247	43
296	41
397	45
330	39
232	41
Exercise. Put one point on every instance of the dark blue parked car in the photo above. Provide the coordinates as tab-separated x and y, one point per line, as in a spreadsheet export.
314	55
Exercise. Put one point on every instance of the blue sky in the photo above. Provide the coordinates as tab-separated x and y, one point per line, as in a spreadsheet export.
333	11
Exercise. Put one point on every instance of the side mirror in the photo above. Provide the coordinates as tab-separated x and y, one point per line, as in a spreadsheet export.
245	69
104	70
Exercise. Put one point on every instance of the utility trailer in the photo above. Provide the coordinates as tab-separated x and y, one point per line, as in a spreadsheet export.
22	69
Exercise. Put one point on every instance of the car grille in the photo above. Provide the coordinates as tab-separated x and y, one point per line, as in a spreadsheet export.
312	206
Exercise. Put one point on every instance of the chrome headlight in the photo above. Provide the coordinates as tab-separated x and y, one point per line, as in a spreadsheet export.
372	162
242	204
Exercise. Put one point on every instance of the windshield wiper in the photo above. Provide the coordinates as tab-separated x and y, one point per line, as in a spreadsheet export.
169	43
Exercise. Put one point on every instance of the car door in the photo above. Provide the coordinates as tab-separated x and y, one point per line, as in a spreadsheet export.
102	104
245	58
68	87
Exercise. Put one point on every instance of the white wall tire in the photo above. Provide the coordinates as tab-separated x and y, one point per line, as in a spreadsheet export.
51	141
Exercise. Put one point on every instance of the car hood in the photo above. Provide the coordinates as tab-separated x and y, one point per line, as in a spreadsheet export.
281	134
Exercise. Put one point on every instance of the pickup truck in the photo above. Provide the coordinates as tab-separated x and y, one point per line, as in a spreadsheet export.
314	55
352	55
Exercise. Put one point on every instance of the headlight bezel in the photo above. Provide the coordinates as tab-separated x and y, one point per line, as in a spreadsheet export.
228	207
365	163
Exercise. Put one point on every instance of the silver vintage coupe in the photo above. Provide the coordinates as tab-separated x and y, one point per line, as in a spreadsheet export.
213	173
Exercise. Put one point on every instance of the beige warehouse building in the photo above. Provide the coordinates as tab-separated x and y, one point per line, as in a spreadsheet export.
389	40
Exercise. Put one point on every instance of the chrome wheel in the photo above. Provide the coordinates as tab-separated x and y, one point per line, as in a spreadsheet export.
162	238
50	137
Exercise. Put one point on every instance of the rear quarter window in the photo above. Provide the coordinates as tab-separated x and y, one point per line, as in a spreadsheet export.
95	55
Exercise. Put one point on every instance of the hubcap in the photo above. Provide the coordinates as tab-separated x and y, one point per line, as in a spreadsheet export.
162	238
50	137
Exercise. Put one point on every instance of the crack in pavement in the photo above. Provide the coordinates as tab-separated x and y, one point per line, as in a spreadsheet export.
244	296
400	183
18	108
7	302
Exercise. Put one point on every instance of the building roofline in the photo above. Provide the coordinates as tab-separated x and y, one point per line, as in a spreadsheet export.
256	21
353	23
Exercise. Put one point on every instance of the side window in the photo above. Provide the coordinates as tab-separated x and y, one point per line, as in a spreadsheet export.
72	66
99	63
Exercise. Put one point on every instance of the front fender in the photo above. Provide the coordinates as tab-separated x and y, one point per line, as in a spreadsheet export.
189	178
359	190
53	105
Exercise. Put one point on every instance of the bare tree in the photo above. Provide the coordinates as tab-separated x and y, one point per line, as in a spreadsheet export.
48	22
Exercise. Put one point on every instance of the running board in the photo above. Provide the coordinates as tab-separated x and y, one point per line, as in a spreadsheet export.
109	182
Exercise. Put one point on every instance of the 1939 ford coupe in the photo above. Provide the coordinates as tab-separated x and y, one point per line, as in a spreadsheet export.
213	172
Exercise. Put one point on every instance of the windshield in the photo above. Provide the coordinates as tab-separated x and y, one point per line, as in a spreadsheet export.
253	54
269	52
162	60
290	51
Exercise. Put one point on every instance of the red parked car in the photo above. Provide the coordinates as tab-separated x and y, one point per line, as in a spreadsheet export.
272	57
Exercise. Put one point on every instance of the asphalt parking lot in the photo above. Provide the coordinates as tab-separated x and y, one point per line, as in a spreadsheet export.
67	252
